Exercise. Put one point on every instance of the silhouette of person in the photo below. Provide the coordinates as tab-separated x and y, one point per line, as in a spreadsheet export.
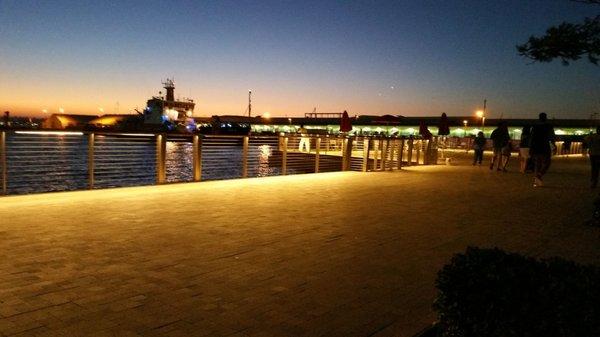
478	147
500	139
304	140
593	144
540	150
524	148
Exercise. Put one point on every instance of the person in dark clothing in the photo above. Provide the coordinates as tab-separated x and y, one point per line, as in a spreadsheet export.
478	147
524	147
540	149
593	143
500	139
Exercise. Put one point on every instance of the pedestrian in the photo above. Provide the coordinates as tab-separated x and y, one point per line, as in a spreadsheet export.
478	147
541	146
524	148
506	152
500	139
593	143
304	140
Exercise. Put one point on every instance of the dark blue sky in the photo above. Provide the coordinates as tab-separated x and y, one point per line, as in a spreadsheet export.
370	57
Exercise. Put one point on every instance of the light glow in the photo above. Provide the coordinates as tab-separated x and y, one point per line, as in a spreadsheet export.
50	133
136	134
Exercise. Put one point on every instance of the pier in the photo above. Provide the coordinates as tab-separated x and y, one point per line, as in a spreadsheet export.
332	254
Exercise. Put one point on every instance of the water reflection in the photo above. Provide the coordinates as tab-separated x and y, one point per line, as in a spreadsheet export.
179	165
263	161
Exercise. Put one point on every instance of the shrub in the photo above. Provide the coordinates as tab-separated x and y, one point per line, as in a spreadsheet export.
491	293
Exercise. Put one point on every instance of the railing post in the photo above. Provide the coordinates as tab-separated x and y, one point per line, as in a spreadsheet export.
91	160
383	153
317	153
410	151
400	154
3	162
284	156
428	153
419	147
393	143
245	157
197	157
161	149
375	153
365	164
347	153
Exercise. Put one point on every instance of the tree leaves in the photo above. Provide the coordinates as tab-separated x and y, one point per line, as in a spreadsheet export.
567	41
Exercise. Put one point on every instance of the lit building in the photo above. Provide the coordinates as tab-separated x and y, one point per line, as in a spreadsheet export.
119	122
67	121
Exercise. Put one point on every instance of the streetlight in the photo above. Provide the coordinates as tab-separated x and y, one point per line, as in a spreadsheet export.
465	122
481	114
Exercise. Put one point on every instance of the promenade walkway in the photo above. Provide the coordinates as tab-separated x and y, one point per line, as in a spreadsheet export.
334	254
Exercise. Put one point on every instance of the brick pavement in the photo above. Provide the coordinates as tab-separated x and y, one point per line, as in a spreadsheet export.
336	254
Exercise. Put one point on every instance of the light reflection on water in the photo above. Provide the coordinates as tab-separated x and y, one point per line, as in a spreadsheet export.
263	161
179	165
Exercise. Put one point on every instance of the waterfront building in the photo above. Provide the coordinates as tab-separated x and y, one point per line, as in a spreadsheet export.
67	121
407	126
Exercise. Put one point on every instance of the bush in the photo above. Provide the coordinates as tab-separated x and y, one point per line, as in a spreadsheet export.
491	293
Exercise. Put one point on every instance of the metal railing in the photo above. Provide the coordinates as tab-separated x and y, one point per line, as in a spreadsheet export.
563	148
36	161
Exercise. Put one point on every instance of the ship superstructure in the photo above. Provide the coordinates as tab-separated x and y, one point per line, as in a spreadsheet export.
166	109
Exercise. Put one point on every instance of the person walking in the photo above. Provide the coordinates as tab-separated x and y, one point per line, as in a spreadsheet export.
506	152
540	150
304	140
593	143
478	147
524	148
500	139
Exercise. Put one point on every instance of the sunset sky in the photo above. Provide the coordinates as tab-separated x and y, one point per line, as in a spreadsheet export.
368	57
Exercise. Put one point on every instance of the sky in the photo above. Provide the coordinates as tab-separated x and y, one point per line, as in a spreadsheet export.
368	57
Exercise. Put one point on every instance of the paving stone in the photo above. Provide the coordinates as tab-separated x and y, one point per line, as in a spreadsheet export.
334	254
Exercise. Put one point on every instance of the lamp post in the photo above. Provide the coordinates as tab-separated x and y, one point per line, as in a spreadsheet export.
467	141
481	114
249	103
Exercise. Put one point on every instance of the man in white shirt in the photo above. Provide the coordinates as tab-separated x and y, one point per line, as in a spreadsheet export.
304	139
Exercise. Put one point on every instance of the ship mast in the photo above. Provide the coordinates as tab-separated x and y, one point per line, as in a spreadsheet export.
249	103
169	84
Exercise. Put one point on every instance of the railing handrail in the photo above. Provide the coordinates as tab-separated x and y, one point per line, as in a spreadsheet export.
149	133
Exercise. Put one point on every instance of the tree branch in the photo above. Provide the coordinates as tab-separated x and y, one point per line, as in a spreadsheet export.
589	2
567	42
